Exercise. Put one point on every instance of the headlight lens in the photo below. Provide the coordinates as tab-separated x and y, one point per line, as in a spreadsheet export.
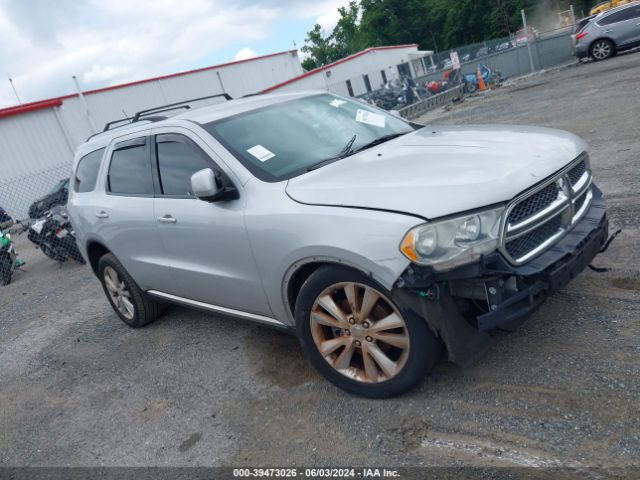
449	243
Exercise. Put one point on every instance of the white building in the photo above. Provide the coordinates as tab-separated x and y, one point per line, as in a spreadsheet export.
361	72
38	139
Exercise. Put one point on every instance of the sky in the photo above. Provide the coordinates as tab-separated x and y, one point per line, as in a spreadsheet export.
108	42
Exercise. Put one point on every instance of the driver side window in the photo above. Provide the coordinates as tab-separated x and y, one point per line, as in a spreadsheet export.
178	158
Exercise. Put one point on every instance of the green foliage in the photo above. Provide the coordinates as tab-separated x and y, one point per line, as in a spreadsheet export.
432	24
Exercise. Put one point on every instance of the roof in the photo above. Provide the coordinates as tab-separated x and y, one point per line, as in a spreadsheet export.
329	66
199	115
57	101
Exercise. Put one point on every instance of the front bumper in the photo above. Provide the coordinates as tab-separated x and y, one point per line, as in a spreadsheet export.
512	292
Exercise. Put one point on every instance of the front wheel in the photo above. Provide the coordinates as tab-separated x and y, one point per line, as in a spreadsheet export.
358	338
6	270
602	49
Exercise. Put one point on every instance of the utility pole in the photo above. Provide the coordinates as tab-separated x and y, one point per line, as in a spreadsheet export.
15	92
84	104
526	32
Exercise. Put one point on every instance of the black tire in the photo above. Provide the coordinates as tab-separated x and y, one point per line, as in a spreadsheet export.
471	87
419	361
145	310
602	49
6	270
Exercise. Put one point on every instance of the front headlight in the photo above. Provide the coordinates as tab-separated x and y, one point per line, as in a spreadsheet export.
449	243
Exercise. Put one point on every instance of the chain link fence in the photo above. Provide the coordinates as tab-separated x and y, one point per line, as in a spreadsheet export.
33	222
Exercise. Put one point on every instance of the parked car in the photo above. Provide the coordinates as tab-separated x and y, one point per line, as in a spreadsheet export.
377	241
609	33
525	36
503	46
57	196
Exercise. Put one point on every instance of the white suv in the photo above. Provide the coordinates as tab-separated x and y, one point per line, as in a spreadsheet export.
378	241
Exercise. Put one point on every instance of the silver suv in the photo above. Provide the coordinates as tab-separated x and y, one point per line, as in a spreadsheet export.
610	32
378	241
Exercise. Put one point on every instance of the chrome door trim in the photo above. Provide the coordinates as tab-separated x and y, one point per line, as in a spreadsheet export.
215	308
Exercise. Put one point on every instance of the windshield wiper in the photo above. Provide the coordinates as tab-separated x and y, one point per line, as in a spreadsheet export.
377	141
345	152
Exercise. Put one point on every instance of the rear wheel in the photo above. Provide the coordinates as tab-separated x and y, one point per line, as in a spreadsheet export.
358	338
127	299
602	49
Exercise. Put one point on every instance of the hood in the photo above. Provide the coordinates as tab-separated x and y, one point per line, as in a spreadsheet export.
438	171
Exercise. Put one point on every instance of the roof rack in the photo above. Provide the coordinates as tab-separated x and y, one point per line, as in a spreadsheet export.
145	115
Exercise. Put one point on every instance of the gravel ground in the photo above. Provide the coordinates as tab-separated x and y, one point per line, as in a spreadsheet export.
78	387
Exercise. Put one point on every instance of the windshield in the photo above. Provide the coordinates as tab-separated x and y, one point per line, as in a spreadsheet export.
286	139
62	184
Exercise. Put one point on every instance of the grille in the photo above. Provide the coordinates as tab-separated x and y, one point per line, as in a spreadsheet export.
580	201
575	174
533	204
519	247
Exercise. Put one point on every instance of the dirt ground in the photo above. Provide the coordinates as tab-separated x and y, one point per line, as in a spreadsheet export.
78	387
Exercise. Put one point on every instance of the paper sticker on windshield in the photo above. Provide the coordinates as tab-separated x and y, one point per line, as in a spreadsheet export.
336	102
370	118
261	153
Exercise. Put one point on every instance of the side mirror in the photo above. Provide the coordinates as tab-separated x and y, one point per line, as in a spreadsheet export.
204	185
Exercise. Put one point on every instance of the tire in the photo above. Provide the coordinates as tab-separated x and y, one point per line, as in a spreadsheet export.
471	87
6	270
142	310
359	354
602	49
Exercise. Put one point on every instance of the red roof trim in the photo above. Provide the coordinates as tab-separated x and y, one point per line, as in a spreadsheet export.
329	66
15	110
30	107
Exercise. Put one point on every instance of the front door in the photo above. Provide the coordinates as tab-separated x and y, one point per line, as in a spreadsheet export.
206	243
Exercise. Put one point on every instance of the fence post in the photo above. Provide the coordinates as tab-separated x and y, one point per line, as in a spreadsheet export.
526	32
573	15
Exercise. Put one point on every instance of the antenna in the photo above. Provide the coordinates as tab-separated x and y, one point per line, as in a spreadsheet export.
14	88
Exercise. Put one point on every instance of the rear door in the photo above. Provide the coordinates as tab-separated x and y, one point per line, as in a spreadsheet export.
622	26
206	243
124	215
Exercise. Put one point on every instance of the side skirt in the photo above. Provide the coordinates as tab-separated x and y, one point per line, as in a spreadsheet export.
167	297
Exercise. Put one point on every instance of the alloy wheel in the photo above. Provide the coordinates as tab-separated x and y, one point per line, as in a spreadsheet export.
359	332
118	292
602	50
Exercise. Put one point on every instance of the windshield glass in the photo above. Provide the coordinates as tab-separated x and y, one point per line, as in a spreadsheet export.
286	139
60	185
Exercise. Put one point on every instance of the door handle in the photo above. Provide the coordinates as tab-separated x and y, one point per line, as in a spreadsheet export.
102	214
167	219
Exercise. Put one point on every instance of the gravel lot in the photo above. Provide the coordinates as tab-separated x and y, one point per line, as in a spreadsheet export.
78	387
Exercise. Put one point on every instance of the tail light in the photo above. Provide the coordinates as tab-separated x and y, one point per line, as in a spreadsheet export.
581	35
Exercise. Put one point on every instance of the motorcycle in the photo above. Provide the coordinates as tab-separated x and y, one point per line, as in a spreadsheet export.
9	260
55	236
488	76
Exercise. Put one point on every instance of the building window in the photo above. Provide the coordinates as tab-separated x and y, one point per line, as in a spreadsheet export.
367	83
350	88
384	77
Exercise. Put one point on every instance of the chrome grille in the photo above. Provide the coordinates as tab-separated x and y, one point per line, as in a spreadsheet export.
521	246
533	204
537	219
576	173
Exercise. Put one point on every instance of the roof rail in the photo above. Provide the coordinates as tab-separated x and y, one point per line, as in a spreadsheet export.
173	106
145	115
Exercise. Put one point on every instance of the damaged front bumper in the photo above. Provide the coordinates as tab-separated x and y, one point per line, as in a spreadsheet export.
497	292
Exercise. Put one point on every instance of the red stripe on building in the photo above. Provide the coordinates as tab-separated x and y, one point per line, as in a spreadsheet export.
29	107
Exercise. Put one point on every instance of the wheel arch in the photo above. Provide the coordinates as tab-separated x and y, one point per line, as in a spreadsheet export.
604	37
299	272
95	250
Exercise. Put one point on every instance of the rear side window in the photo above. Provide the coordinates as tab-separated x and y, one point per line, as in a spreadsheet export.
130	169
620	16
87	171
178	159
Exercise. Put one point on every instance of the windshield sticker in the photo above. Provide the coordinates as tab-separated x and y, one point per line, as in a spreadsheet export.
370	118
336	102
261	153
